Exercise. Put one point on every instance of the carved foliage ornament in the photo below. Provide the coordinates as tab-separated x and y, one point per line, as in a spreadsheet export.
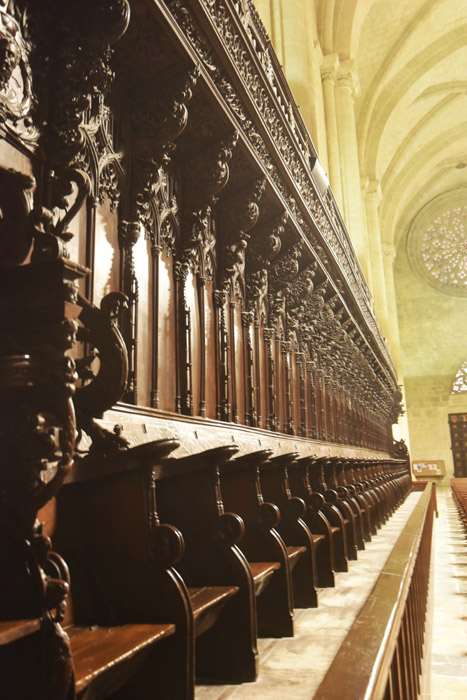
37	439
16	95
71	59
323	215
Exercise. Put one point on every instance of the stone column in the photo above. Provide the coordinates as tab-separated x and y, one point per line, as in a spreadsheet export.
347	90
393	336
277	29
264	10
329	77
372	196
297	51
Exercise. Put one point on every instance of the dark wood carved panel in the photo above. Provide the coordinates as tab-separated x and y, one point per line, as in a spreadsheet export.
163	249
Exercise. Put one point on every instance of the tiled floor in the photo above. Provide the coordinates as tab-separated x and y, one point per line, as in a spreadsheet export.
449	637
293	668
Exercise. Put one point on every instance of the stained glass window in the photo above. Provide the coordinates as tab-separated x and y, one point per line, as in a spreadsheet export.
444	249
460	382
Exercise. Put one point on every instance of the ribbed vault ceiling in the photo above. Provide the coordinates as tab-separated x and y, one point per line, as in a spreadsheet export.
411	61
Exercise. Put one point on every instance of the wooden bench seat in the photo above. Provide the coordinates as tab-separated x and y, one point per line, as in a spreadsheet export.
149	572
189	496
106	656
294	554
330	549
329	510
207	603
337	482
364	487
364	500
130	622
292	528
330	494
262	572
241	493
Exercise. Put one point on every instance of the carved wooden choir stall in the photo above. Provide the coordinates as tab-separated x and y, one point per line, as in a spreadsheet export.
196	403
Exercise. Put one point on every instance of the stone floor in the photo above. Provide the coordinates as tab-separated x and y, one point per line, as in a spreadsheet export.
448	676
293	668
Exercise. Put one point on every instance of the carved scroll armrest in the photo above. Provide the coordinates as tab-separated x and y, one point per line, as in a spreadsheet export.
296	507
230	528
316	501
331	496
166	545
269	515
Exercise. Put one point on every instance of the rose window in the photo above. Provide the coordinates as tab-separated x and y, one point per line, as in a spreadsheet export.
444	249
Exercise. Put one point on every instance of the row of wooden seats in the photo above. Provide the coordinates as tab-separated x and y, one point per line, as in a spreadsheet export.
178	564
459	492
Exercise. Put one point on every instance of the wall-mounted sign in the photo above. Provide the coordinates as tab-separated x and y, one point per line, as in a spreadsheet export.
429	467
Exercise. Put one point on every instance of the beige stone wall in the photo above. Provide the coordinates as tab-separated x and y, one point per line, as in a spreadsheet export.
433	342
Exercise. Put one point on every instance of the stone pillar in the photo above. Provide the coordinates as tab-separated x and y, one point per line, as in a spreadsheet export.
297	54
347	90
329	76
393	337
277	29
264	11
372	197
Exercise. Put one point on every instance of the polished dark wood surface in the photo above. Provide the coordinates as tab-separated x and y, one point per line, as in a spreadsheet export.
180	309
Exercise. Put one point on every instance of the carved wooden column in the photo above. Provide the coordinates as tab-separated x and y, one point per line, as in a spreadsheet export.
300	360
251	414
183	397
205	175
153	114
286	349
258	363
240	212
264	245
313	423
37	440
223	407
155	257
129	233
269	336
